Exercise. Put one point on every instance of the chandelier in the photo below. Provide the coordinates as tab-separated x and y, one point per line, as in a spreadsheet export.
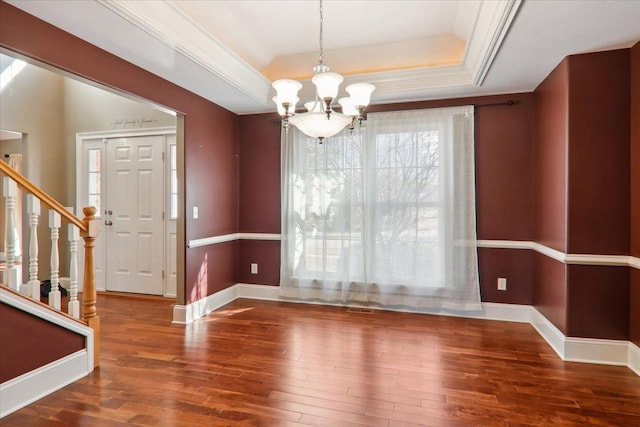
321	121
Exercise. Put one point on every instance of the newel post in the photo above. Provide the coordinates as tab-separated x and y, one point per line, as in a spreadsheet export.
89	282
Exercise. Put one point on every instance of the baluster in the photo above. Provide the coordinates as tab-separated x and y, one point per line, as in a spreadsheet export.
33	208
10	191
74	236
54	225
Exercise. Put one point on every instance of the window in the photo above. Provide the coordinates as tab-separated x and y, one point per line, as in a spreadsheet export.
173	183
94	168
386	215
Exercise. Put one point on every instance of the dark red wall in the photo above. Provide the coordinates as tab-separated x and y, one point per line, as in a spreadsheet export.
598	301
210	134
550	169
598	192
582	169
634	300
599	131
551	139
504	191
46	342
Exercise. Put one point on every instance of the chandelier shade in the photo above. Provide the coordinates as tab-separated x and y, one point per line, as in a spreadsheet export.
327	84
361	93
321	121
316	125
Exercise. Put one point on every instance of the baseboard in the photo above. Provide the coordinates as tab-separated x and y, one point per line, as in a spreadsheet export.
600	351
490	311
183	314
25	389
570	349
547	330
634	358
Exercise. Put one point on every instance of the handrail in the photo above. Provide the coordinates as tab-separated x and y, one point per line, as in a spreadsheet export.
44	197
89	230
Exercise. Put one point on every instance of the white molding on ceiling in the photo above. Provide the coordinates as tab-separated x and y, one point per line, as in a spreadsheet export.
392	84
166	22
491	26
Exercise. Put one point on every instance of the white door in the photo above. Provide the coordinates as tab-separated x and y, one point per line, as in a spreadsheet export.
133	214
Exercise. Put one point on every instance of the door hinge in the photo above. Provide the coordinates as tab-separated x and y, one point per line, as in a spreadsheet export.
163	156
163	215
163	274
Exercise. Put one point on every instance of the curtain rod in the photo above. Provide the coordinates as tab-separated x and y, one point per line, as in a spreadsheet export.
509	103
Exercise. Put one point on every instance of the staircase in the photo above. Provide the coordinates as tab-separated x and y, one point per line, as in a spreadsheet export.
43	347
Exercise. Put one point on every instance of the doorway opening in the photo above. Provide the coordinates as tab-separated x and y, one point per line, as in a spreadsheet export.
130	177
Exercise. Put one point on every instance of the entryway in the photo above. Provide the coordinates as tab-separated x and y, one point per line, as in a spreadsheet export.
131	178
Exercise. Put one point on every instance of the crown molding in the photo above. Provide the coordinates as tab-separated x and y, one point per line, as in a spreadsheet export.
169	24
492	24
166	22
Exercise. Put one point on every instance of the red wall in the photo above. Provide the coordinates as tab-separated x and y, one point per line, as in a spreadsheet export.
582	170
598	167
504	143
551	139
210	134
25	355
634	300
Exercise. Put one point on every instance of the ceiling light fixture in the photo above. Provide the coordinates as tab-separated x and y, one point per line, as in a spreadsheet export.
320	121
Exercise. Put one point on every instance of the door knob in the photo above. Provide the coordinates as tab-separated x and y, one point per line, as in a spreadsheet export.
107	222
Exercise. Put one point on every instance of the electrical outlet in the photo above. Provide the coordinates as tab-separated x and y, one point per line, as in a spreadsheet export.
254	268
502	284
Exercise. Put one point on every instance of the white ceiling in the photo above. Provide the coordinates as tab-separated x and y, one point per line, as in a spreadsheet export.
229	51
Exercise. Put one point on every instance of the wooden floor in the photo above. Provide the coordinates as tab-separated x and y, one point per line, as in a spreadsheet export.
255	363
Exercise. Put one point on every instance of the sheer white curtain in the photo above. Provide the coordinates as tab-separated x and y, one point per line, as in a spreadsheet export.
386	216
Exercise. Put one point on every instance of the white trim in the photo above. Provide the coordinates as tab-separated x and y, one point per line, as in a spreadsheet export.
45	313
547	330
587	259
212	240
505	244
168	24
196	243
586	350
601	351
27	388
574	259
31	386
491	26
184	314
259	236
634	358
490	311
124	133
549	252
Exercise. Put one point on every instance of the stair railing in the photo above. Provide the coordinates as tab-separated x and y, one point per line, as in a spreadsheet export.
87	228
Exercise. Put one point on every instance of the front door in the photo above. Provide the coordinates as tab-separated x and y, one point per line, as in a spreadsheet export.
133	214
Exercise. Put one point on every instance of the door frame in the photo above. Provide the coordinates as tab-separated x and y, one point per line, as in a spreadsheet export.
81	186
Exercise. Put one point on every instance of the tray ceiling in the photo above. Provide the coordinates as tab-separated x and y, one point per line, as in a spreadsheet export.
230	51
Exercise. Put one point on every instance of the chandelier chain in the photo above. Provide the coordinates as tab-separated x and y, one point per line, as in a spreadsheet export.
321	34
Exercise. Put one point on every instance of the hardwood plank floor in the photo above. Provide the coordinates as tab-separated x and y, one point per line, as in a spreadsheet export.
258	363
